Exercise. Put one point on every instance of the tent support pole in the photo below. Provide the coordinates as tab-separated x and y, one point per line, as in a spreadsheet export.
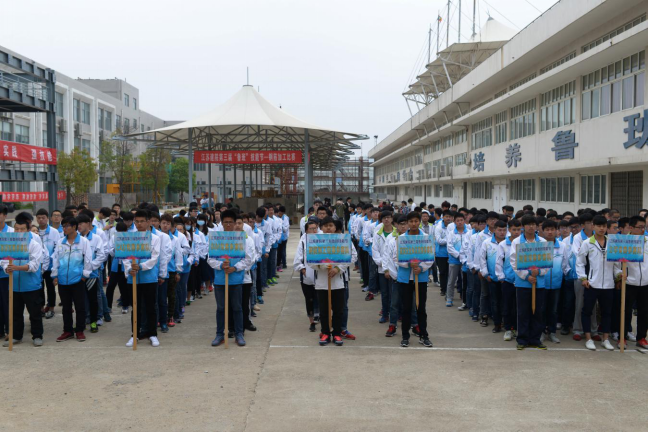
190	156
308	174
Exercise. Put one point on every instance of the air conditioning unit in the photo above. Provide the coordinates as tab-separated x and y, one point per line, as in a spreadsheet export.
62	126
77	130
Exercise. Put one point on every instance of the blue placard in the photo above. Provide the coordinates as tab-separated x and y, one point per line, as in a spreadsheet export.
133	245
625	248
328	249
415	249
534	255
227	245
14	246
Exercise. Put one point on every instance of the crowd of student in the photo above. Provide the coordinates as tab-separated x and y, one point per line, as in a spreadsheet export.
475	255
72	253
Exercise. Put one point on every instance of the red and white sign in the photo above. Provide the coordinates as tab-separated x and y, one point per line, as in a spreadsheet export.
248	157
10	151
30	196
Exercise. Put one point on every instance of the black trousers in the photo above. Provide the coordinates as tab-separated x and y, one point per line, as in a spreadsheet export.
281	254
638	294
193	286
245	307
442	264
146	297
337	301
530	325
74	293
407	292
48	284
309	295
125	289
33	301
364	257
93	301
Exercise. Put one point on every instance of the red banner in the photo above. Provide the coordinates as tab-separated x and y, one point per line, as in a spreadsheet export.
30	196
10	151
248	157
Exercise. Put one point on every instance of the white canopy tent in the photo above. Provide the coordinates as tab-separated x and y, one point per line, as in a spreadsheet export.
247	121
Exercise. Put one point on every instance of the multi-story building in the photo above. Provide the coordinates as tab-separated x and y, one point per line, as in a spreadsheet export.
553	117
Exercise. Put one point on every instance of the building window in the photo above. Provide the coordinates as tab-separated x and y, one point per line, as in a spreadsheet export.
446	142
557	107
134	103
500	128
437	191
85	113
627	26
481	190
461	137
418	191
60	143
100	118
58	104
427	150
126	100
22	134
481	133
615	87
85	145
436	146
44	137
557	189
593	189
107	121
523	81
76	110
77	143
135	125
200	167
418	159
522	189
460	159
448	190
5	130
118	119
557	63
126	125
523	119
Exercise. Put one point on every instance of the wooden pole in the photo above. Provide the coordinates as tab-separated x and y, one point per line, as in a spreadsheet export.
330	318
416	290
135	327
533	297
623	295
226	310
10	308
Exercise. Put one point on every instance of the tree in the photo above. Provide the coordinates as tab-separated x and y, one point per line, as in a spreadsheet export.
153	170
77	172
179	178
116	157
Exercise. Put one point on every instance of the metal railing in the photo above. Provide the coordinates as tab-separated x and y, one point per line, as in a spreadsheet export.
23	85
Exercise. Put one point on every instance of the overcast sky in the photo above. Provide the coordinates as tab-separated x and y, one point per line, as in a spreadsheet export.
341	64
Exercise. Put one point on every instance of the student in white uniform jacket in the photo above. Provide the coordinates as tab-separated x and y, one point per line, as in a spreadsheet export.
307	274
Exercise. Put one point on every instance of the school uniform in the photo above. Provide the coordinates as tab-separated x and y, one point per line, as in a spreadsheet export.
92	283
530	325
49	238
147	282
487	266
4	293
636	292
306	280
283	241
72	266
474	285
441	254
173	268
406	286
378	255
601	279
457	244
484	298
367	235
569	281
186	244
166	256
117	278
506	275
27	293
553	284
579	290
246	288
388	264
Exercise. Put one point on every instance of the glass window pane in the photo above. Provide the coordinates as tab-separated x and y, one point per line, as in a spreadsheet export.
597	189
628	92
590	189
603	189
559	190
596	100
639	89
616	96
605	100
586	110
542	190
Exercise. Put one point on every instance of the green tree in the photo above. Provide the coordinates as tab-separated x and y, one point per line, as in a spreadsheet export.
153	170
77	172
179	177
116	157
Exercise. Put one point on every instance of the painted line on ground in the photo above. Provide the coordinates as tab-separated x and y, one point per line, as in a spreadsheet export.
450	349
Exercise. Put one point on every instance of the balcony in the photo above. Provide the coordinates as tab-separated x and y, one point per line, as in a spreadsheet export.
21	94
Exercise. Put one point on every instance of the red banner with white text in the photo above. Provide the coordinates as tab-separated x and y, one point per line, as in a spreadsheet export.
10	151
30	196
248	157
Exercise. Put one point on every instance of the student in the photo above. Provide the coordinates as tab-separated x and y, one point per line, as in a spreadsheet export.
167	255
97	251
487	265
49	237
26	286
302	222
506	275
283	241
554	278
306	274
362	253
586	233
406	286
128	218
246	291
235	268
598	282
530	324
117	277
249	220
71	267
174	267
147	272
441	249
636	287
276	227
370	228
472	262
346	277
186	239
322	273
485	235
458	243
377	252
426	227
55	222
262	274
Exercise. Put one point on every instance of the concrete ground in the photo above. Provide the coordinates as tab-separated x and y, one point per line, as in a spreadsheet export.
282	380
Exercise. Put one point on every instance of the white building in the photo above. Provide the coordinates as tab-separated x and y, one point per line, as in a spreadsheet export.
545	118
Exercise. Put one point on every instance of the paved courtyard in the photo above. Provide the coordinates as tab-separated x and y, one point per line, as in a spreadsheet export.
282	380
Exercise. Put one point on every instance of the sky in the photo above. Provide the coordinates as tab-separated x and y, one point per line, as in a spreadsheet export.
340	64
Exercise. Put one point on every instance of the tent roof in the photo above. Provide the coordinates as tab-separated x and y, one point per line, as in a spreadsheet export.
248	121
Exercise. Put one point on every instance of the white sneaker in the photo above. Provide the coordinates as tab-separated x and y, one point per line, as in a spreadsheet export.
615	336
257	308
462	307
632	337
558	325
192	298
508	335
554	338
606	345
154	341
125	310
590	345
130	342
542	337
99	322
